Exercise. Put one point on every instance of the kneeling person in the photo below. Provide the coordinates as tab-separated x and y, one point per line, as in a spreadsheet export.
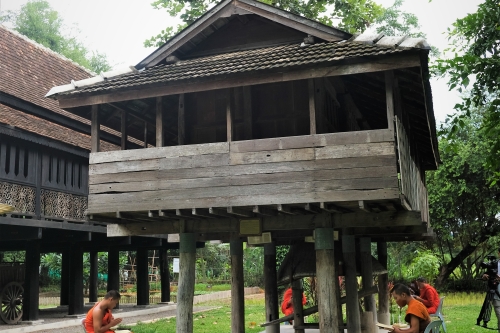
99	319
416	313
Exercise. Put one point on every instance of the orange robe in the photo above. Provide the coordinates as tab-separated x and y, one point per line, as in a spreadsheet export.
287	306
430	298
89	320
419	310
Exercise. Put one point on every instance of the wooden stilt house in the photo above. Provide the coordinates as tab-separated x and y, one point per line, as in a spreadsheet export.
263	126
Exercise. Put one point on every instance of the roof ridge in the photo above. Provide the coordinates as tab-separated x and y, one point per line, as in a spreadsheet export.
44	48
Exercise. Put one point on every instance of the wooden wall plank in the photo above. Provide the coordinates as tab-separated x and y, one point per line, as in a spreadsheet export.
273	156
252	169
100	204
369	149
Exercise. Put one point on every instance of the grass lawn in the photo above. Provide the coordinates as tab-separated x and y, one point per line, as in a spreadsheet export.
460	309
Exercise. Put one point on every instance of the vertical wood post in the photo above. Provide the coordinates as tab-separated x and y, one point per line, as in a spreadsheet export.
312	107
93	277
124	130
164	276
38	194
247	112
185	292
326	276
95	130
145	134
383	289
389	97
159	122
271	287
142	277
237	287
113	270
367	323
298	317
351	284
65	278
31	281
367	274
75	305
229	116
181	121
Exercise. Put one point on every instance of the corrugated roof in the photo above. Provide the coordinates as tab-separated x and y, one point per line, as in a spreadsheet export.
247	61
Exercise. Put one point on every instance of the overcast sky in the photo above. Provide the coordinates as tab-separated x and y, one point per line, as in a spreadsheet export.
118	28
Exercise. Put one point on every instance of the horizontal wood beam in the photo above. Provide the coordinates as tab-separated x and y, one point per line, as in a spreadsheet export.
272	223
347	67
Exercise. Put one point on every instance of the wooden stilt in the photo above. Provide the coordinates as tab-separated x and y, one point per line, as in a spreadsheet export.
75	305
237	287
271	287
367	274
164	276
32	276
325	275
113	270
298	309
93	277
383	292
351	284
367	323
142	277
65	277
185	291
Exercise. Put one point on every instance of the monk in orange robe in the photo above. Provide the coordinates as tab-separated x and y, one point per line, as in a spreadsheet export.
416	313
287	304
99	319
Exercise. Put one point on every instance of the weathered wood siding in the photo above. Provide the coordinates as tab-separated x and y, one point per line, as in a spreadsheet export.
303	169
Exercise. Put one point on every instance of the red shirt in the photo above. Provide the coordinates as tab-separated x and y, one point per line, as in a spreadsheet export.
287	306
430	298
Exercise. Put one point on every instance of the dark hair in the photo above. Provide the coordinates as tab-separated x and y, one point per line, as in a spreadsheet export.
422	279
112	294
400	288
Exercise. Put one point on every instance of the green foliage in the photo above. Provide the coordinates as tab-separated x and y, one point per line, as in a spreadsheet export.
474	57
12	256
464	206
394	22
39	22
253	266
353	15
425	264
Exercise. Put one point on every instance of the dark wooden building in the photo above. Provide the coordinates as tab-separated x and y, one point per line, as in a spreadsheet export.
44	161
267	127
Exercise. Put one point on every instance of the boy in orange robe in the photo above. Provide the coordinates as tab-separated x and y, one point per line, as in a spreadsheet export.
416	313
99	319
287	305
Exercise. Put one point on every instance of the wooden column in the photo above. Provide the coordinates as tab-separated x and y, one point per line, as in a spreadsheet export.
145	134
181	121
95	125
229	116
124	130
164	276
383	289
312	107
93	277
247	112
326	276
185	291
389	97
65	278
38	194
142	277
237	287
113	271
75	305
271	287
298	317
351	284
367	274
31	281
159	122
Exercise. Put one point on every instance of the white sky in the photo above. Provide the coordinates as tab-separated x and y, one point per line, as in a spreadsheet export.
118	28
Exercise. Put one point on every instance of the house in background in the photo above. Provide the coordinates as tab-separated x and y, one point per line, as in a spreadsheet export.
270	129
44	158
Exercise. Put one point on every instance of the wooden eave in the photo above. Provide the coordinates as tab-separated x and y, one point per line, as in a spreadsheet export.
227	8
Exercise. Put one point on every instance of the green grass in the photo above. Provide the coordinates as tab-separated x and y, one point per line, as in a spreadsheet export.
460	310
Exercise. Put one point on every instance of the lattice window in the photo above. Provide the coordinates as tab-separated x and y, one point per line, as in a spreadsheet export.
63	205
23	198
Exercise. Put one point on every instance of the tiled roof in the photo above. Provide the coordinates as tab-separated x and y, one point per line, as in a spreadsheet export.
47	129
29	70
269	58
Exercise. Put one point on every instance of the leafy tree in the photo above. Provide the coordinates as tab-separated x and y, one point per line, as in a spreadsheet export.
475	57
394	22
39	22
354	15
464	207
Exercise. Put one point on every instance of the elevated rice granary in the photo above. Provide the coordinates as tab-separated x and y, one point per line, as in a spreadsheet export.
263	126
